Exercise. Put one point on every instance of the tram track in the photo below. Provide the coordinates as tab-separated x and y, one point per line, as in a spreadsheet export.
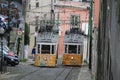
65	74
72	74
45	73
27	74
69	74
58	77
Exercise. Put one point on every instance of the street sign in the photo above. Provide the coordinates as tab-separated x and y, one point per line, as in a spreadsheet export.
19	32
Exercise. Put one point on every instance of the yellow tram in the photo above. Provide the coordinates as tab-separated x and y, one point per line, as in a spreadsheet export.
73	47
46	46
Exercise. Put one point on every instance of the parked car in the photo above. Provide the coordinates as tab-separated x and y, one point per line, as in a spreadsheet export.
12	60
9	56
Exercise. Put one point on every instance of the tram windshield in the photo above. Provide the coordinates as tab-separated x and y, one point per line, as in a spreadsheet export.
73	49
45	49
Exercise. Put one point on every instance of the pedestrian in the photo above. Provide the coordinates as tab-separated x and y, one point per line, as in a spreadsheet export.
33	53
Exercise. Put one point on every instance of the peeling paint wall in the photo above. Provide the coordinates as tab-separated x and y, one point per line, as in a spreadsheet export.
108	67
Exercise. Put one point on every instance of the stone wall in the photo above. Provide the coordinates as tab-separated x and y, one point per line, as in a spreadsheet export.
108	66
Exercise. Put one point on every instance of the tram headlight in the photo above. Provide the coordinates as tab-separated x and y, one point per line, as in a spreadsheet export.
45	58
71	57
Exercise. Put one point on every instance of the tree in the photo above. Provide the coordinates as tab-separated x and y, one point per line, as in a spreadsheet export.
26	35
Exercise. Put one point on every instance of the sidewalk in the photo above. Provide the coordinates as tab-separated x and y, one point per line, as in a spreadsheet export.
29	62
85	73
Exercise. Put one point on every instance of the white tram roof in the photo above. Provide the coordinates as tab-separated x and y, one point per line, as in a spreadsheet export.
73	38
47	37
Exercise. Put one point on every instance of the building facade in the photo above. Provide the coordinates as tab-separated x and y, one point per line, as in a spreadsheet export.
72	13
62	12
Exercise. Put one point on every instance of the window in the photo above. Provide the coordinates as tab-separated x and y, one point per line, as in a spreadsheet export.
75	20
38	49
45	49
53	49
29	6
66	49
37	4
79	49
72	49
55	1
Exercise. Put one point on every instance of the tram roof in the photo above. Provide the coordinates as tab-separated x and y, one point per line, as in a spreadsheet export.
74	38
47	37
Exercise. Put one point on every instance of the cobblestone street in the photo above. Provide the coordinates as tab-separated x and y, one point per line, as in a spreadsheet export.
27	71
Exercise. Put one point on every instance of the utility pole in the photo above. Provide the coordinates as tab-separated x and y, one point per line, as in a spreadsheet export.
52	12
9	28
36	28
90	33
51	9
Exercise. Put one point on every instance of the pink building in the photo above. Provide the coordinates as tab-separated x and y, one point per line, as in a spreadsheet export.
71	11
96	12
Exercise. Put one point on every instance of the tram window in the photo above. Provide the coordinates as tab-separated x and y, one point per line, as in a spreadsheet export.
45	49
72	49
79	49
65	48
38	50
53	49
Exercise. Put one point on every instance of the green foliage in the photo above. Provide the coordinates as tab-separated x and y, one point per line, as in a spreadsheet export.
26	35
85	61
24	60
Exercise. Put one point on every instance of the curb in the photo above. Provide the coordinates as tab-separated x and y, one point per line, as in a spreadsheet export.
85	73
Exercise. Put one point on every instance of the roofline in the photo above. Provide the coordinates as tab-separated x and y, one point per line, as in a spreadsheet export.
70	6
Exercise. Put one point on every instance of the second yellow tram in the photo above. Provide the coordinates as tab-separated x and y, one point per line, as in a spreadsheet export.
73	48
